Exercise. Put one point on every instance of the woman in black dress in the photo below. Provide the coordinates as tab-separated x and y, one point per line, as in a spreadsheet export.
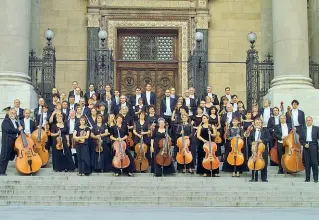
61	159
119	132
203	137
142	129
241	109
91	119
214	119
139	108
187	128
152	118
82	132
102	160
57	111
158	134
102	111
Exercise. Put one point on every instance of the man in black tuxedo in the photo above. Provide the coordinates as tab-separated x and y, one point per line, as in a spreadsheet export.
38	110
148	96
85	110
227	94
27	124
134	98
281	131
74	86
65	108
190	104
227	118
167	106
71	124
89	93
260	135
272	122
20	111
124	102
310	150
296	116
108	91
72	105
211	95
10	130
193	95
234	100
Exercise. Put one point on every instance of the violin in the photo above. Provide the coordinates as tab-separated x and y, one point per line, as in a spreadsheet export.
82	134
27	162
291	161
218	139
59	141
256	161
210	161
40	138
164	157
235	157
47	128
141	162
120	159
129	139
99	146
184	156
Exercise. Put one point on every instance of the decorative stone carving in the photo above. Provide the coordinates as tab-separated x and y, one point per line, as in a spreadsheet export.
150	3
202	21
183	27
93	2
202	3
93	20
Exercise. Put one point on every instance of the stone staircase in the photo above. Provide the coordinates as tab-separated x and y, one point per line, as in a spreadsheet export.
49	188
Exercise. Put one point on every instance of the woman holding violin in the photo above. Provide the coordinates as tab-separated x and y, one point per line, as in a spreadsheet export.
214	119
81	135
61	153
139	108
159	141
119	134
184	130
203	132
103	155
234	150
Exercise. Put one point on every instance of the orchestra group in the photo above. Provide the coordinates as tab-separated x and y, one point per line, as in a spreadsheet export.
111	132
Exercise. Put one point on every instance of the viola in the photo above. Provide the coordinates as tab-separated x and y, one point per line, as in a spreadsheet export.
210	161
256	161
82	134
218	139
40	138
235	157
141	162
99	146
184	156
129	139
164	157
59	141
27	162
120	159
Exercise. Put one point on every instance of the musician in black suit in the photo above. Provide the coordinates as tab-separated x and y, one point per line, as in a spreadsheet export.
73	92
38	110
124	102
27	124
20	111
134	99
193	95
281	131
10	130
259	134
85	110
72	105
272	122
108	91
227	94
89	93
167	106
149	96
65	108
227	118
310	150
297	116
211	95
71	124
190	104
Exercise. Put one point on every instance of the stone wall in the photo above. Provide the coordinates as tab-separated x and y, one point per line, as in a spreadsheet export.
313	22
67	20
231	21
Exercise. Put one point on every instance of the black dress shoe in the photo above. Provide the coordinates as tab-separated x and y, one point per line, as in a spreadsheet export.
307	181
3	174
252	181
316	181
264	181
280	172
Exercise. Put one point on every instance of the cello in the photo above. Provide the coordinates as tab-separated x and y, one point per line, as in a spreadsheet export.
141	162
40	138
256	161
184	156
120	159
292	158
164	157
236	157
28	162
210	161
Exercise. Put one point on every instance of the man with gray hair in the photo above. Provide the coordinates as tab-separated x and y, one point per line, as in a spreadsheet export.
124	102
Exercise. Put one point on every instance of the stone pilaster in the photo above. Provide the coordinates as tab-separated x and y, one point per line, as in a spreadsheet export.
266	28
35	27
15	20
313	30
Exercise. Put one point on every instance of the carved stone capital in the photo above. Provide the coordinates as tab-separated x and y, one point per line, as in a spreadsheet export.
202	21
93	2
202	3
93	20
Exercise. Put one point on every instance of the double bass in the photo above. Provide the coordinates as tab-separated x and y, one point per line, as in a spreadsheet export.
291	160
120	159
164	157
40	138
236	157
210	161
184	156
27	162
141	162
256	161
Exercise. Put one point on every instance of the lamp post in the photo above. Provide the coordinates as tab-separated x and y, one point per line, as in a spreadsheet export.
49	35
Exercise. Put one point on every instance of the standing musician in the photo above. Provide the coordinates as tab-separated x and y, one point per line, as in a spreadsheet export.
203	137
103	111
310	150
193	96
176	120
139	108
190	104
234	131
119	132
10	130
211	95
135	99
272	122
149	96
27	124
266	112
167	106
297	116
159	134
20	111
186	128
227	95
38	110
214	119
223	105
241	109
258	131
234	102
71	124
281	131
81	135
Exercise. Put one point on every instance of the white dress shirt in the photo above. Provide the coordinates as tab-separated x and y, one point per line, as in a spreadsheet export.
266	116
284	131
72	106
45	118
192	96
276	120
188	104
40	110
235	107
64	111
148	97
229	97
117	100
77	98
257	136
18	110
72	125
210	95
229	117
14	123
168	111
295	117
91	93
27	126
137	98
309	132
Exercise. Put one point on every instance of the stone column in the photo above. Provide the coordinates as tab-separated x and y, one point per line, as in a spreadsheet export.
266	28
15	22
35	27
291	61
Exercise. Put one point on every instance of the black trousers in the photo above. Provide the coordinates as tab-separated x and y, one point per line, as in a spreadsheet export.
3	165
311	160
5	158
263	172
280	151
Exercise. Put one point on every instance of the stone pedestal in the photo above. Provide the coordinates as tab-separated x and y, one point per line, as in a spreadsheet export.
291	58
15	16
